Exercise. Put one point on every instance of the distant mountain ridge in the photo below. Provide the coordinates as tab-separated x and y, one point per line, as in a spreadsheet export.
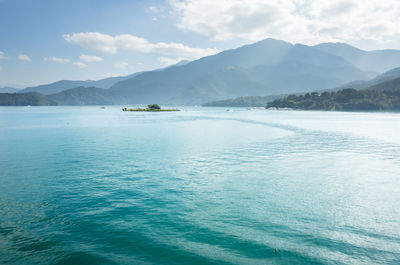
62	85
268	67
386	84
361	84
84	96
8	89
55	87
264	68
379	97
377	60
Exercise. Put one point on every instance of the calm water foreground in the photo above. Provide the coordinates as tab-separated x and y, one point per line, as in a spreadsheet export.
83	185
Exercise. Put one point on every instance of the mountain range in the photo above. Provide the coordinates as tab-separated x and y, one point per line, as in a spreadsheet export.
377	61
382	89
8	89
268	67
62	85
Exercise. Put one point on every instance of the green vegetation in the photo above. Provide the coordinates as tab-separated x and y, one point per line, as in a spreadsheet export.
24	99
346	99
150	108
254	101
153	106
84	96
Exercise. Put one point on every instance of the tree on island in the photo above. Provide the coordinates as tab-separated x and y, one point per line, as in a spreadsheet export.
153	106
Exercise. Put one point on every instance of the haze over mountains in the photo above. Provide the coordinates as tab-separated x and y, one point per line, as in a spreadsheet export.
268	67
264	68
378	61
67	84
375	95
8	89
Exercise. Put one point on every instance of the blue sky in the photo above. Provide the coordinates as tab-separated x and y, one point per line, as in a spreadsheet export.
48	40
35	28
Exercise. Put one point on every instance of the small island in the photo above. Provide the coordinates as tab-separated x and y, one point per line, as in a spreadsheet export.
150	108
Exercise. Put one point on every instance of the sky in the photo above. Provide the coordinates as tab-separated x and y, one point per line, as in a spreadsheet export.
43	41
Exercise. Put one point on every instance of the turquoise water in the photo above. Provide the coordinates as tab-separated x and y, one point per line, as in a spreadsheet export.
82	185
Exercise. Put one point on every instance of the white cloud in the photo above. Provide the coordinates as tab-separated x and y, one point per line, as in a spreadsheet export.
24	57
80	64
90	58
65	60
121	65
57	60
155	9
304	21
112	44
166	61
2	55
93	41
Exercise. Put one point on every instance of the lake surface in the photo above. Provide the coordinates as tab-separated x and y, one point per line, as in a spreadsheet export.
84	185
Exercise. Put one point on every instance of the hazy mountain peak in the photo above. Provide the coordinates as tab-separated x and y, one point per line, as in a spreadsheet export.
266	67
338	45
376	61
263	68
182	62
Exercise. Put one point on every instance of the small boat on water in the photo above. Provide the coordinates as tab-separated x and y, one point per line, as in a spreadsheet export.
229	110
